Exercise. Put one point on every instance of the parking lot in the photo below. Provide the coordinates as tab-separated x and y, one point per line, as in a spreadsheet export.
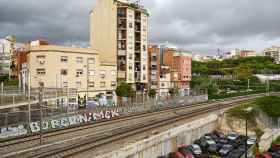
215	145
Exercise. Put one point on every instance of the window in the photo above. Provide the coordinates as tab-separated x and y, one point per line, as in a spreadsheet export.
64	72
102	74
144	77
130	56
113	73
91	73
41	71
130	76
64	59
113	84
102	84
79	72
144	67
41	59
144	47
130	67
130	25
65	84
79	60
91	84
91	60
78	84
162	84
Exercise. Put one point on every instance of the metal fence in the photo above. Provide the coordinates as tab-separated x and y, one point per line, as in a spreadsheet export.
21	116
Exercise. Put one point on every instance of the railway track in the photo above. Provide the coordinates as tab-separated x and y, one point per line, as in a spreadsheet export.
92	140
100	137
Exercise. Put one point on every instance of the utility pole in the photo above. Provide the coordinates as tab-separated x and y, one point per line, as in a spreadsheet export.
41	109
248	87
29	97
2	92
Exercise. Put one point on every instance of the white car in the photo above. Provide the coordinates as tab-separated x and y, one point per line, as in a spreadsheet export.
232	136
251	141
196	149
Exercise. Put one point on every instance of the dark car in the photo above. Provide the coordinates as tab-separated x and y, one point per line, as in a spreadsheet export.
212	148
219	134
226	149
222	140
234	154
202	143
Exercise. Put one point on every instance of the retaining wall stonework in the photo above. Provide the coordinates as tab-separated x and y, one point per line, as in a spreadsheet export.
168	141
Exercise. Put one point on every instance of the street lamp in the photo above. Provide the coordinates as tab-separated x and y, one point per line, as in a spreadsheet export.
247	111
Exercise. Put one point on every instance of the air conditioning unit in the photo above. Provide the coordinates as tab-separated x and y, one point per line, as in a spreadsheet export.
42	62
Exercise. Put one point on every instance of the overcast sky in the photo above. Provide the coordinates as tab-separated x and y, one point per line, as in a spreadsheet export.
201	26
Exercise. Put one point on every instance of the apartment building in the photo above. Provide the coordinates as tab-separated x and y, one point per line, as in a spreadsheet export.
18	57
119	29
274	53
71	68
158	74
180	63
6	51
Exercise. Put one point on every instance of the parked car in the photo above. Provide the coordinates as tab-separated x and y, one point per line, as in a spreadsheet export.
202	143
219	134
251	141
185	151
195	149
212	148
226	149
175	155
234	154
222	140
232	136
265	155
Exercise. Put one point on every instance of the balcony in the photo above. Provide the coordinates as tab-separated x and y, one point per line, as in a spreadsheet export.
137	67
137	76
153	63
154	78
121	13
122	74
153	67
121	52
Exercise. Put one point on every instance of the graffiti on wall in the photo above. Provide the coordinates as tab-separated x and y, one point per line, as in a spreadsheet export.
19	130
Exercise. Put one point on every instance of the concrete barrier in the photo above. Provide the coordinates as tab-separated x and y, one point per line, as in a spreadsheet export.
166	142
267	138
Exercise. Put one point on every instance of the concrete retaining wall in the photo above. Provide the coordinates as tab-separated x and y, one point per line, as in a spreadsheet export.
167	141
267	138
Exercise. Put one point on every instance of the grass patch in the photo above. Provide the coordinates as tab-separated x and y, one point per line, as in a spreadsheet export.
269	105
239	111
276	141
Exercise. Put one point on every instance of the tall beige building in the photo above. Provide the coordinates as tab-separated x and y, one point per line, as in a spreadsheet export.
119	29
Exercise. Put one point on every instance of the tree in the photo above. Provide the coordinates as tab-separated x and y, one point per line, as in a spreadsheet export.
152	93
173	91
124	90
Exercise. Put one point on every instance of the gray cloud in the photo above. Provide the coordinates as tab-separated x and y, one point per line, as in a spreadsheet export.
200	26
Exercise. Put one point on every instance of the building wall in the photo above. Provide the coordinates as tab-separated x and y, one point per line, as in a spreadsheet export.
103	30
154	66
49	58
107	28
6	51
273	52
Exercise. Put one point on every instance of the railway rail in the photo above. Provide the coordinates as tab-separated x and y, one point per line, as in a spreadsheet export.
90	140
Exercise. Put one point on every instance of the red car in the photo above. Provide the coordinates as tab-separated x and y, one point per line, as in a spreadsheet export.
266	155
176	155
